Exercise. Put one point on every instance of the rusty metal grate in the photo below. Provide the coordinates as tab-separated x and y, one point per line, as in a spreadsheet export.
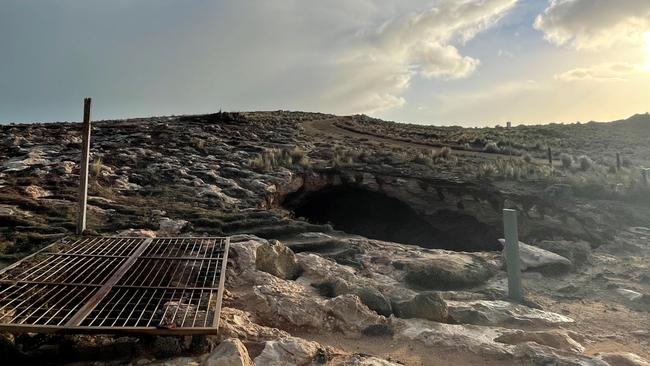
117	285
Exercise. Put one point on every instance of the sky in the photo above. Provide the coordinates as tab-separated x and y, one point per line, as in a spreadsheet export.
442	62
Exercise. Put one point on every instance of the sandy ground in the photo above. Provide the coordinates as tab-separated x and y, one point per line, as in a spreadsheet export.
413	353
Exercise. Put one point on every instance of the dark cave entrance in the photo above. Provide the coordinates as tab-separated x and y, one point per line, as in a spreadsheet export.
378	216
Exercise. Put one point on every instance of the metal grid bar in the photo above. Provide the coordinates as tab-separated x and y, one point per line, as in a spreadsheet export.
117	285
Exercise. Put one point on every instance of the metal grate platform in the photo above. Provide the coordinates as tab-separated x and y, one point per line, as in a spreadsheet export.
117	285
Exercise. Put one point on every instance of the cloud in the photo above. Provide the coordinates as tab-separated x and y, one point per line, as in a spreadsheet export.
619	71
338	56
585	24
422	43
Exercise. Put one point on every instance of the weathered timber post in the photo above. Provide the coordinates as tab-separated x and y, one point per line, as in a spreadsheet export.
83	171
550	157
618	161
512	255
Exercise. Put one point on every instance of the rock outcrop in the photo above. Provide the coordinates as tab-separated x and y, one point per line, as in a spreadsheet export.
538	259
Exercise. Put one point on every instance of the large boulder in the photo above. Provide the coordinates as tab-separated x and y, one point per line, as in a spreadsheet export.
230	352
540	260
278	260
428	305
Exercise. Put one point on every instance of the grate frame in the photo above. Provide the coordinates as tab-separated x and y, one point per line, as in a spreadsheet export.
116	285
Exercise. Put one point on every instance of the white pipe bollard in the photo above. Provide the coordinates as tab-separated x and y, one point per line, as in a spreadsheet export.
512	255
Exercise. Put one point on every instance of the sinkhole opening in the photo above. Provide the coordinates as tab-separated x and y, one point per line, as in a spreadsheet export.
377	216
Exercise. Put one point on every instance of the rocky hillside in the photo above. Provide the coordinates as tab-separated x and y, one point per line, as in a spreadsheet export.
352	246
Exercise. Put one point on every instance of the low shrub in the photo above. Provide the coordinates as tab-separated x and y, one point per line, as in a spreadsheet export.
585	163
567	160
492	147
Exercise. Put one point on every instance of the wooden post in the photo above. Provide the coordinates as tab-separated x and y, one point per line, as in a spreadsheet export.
618	161
550	157
512	255
83	171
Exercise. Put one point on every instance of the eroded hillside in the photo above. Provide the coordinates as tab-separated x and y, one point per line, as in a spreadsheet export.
388	234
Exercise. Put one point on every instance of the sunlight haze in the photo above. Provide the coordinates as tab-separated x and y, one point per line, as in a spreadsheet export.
470	62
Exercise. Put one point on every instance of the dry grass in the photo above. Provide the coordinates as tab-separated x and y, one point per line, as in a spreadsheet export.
271	159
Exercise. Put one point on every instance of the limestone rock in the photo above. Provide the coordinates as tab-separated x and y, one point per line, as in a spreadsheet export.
544	355
33	157
140	233
475	339
9	210
278	260
237	324
629	295
578	252
552	338
538	259
351	315
230	352
36	192
446	271
279	301
289	351
216	192
370	296
374	300
623	359
171	227
428	305
485	312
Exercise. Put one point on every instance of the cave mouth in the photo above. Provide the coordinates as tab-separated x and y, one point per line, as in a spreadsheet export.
377	216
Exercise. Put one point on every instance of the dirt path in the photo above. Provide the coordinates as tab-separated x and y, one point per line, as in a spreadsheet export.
328	127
